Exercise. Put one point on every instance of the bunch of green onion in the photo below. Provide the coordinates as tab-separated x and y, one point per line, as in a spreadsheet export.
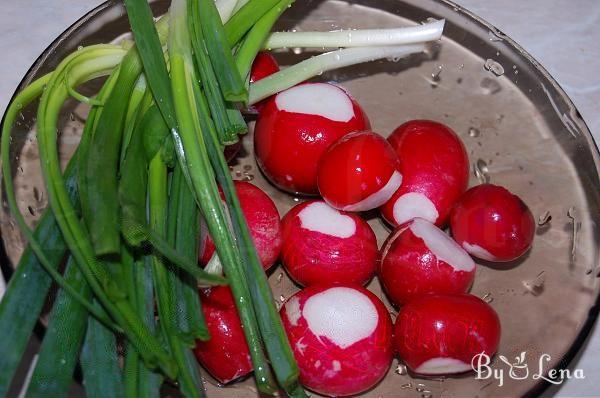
124	215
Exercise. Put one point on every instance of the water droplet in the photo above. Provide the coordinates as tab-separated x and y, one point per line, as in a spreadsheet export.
63	361
481	171
31	210
536	286
282	298
494	67
406	385
79	48
545	218
280	277
248	177
487	297
238	173
426	394
473	132
296	199
401	369
297	50
494	36
247	167
71	117
24	275
490	86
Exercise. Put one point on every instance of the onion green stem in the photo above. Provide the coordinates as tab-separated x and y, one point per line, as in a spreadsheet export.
357	38
319	64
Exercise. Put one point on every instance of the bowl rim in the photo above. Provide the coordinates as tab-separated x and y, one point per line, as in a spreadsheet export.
594	147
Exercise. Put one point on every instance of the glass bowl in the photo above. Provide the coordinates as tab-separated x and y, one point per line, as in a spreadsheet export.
520	129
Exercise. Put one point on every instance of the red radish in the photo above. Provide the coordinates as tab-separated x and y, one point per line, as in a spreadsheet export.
435	172
359	172
324	245
225	355
419	258
341	337
263	220
492	224
297	126
264	65
440	334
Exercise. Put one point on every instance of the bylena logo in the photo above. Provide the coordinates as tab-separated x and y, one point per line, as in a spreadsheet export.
519	369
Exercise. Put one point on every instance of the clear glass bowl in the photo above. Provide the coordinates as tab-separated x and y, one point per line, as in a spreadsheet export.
520	129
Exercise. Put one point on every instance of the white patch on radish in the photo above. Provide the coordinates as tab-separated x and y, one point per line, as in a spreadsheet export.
292	310
320	217
412	205
337	366
478	252
343	315
300	346
380	197
318	99
440	366
442	246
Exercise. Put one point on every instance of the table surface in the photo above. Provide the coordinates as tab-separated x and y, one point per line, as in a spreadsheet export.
562	35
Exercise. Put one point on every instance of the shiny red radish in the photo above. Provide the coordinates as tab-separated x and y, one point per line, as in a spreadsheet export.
359	172
225	356
492	224
440	334
435	172
341	336
263	220
419	258
325	245
264	65
297	126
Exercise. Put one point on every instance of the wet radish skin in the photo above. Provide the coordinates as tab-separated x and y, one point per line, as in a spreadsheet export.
355	167
264	65
312	257
326	367
493	219
289	145
409	269
445	326
433	162
263	220
226	355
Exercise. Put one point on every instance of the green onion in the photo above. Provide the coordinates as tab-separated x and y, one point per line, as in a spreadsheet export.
192	154
256	36
100	363
53	373
273	335
105	289
357	38
243	19
319	64
219	50
182	233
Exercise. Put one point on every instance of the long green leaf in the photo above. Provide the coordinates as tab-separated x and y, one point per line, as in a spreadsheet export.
53	373
100	362
219	50
244	19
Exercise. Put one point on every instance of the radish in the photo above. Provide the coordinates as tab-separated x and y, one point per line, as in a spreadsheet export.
359	172
419	258
225	356
492	224
341	336
435	172
263	220
324	245
440	334
297	126
264	65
